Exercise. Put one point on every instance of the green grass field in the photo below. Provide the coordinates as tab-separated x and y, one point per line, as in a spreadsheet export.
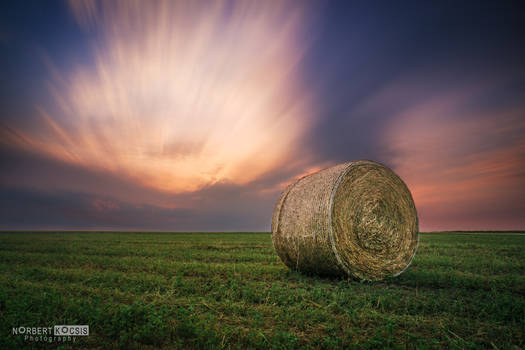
230	290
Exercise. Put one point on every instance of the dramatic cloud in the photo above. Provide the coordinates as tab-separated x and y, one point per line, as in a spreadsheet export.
181	95
465	167
45	193
194	115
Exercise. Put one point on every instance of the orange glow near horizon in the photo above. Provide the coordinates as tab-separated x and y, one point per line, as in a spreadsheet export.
181	95
456	165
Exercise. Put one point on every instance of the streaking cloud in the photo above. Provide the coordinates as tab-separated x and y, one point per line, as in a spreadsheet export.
181	95
464	167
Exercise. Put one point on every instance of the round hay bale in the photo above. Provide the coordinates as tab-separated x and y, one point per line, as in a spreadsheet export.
356	219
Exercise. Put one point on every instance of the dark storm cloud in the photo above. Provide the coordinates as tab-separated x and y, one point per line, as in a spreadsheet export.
25	169
36	209
24	208
43	193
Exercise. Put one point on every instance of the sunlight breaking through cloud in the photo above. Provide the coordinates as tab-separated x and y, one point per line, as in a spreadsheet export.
181	94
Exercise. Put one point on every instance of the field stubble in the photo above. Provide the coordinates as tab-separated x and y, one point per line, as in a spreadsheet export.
230	290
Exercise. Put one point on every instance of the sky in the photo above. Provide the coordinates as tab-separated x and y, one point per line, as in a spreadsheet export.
195	115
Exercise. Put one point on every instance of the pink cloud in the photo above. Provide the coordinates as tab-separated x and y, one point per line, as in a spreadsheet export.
104	205
465	170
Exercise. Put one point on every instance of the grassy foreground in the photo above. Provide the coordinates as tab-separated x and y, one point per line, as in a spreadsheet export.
151	290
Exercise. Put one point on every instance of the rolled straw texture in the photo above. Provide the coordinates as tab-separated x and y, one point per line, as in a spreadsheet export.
356	219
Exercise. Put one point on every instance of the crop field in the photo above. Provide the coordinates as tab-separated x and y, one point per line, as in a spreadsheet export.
230	290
